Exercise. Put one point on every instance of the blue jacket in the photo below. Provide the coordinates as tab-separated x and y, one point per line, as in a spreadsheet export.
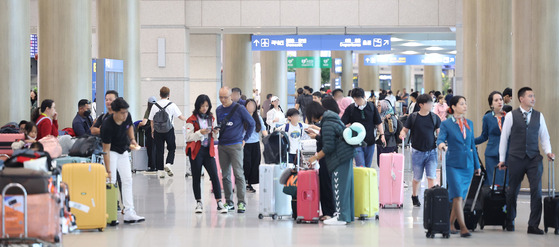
461	152
233	133
492	132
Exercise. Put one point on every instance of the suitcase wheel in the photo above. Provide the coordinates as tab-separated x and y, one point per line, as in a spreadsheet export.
299	221
377	217
556	231
100	229
274	216
429	235
362	218
260	216
545	229
446	235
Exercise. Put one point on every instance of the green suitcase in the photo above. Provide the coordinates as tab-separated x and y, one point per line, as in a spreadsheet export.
112	204
70	159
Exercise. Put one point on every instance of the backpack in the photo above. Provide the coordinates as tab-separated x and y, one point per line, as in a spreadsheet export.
287	127
413	117
161	120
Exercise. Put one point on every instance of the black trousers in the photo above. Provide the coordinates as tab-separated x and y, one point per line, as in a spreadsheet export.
251	162
326	192
533	168
150	147
203	159
160	140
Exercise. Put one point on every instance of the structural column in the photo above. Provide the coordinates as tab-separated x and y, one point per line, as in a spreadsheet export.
401	77
544	64
311	77
470	73
368	75
346	80
14	66
119	38
432	78
274	75
237	62
65	55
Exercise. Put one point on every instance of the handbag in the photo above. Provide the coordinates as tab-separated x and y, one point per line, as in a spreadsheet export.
51	146
86	147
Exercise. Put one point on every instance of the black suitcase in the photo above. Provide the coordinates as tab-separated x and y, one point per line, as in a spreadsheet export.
436	211
436	216
551	203
473	205
494	204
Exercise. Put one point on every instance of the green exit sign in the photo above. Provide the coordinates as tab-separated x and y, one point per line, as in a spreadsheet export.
309	62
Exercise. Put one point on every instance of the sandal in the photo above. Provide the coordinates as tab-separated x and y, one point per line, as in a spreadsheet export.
325	217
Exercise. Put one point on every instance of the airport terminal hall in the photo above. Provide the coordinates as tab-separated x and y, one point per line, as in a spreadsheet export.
251	123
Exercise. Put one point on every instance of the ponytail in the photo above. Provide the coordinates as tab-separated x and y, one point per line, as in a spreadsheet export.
35	114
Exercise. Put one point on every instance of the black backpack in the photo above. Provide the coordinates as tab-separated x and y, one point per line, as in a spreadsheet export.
276	144
86	147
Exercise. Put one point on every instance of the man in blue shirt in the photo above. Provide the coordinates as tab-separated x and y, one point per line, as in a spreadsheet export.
232	119
82	121
236	95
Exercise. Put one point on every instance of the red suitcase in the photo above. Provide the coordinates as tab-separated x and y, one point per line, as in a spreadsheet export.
308	196
6	141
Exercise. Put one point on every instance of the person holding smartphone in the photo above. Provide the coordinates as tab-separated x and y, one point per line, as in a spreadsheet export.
392	128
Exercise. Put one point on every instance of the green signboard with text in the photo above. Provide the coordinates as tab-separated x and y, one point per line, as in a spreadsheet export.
309	62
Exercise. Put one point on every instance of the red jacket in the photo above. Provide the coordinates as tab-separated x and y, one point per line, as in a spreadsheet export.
194	147
46	126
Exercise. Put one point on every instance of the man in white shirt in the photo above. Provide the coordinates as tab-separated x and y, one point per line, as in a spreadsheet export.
166	135
523	127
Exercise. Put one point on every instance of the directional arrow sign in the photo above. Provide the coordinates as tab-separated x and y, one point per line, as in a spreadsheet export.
430	59
321	42
256	42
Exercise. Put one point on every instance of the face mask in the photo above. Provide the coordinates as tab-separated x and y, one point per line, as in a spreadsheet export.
361	107
31	138
87	113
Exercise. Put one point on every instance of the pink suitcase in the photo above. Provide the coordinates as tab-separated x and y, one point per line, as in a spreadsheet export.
391	185
308	196
220	173
6	141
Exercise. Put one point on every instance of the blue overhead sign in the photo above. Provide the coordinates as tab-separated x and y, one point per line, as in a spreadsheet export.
321	42
431	59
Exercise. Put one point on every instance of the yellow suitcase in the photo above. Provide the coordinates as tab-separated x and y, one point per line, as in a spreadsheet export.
366	192
88	194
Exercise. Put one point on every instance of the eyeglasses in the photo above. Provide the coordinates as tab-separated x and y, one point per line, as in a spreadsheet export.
224	97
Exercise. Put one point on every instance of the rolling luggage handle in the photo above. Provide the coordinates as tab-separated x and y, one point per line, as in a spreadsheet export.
551	179
495	173
16	185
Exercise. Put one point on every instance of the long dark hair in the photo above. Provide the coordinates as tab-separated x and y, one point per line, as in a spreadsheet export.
44	105
199	102
255	116
453	102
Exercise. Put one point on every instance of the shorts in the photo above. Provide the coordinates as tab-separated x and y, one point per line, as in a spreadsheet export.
424	161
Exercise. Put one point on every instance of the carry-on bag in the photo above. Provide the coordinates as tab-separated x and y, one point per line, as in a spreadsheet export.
436	208
494	204
551	202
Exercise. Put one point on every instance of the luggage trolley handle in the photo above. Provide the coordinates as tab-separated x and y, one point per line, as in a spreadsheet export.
16	185
494	175
551	178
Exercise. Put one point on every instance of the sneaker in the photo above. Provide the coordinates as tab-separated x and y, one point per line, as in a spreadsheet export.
199	208
334	221
130	216
250	189
168	170
415	201
242	208
161	174
221	208
230	206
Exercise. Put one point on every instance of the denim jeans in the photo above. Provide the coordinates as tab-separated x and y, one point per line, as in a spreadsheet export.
364	156
424	161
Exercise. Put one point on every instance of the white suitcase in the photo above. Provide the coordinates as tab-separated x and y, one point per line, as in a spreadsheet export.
139	159
272	201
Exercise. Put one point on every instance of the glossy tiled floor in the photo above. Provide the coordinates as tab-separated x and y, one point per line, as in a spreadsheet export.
168	206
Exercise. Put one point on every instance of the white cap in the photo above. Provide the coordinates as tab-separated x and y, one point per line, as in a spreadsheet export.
274	98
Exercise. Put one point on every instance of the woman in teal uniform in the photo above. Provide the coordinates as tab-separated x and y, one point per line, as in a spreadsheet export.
492	125
461	159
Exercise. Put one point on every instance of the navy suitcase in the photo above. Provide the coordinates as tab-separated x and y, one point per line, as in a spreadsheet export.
551	203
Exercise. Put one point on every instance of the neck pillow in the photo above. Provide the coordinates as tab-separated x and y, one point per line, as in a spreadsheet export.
355	134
